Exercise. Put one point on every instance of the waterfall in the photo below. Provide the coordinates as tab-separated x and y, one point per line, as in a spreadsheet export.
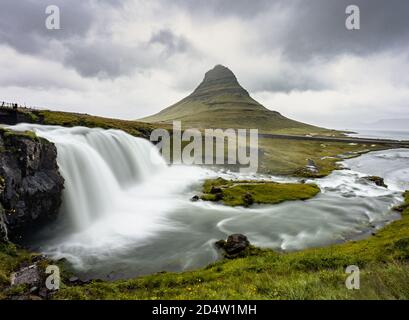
98	166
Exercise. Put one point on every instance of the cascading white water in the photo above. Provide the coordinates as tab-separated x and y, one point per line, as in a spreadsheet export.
132	214
97	166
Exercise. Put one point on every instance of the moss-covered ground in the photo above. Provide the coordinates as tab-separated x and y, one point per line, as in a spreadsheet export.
67	119
238	193
289	157
11	257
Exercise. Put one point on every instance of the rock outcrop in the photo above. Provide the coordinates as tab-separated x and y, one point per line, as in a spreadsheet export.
380	182
234	246
30	183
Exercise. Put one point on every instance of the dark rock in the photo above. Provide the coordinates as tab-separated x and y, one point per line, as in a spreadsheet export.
38	258
194	198
218	196
215	190
377	180
74	280
235	245
43	293
220	244
311	163
311	166
248	199
31	183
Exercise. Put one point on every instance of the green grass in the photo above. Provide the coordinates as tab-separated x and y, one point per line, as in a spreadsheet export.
262	192
289	157
10	259
135	128
309	274
196	114
7	133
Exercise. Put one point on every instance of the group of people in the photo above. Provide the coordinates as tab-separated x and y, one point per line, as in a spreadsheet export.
9	105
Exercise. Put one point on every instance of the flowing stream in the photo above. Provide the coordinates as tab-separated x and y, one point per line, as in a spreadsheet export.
126	213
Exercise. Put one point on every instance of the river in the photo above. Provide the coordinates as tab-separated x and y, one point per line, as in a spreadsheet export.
126	213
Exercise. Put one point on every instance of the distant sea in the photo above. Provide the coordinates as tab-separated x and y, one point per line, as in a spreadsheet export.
380	134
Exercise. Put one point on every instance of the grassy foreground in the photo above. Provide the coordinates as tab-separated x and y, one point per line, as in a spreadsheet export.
245	193
10	259
383	260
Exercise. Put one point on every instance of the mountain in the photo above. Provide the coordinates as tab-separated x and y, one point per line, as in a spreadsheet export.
221	102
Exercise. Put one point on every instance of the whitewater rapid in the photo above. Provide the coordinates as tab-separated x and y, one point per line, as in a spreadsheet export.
125	212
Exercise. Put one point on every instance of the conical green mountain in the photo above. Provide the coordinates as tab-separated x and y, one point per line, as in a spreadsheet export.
221	102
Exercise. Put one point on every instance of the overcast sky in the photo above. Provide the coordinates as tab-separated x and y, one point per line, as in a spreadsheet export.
129	59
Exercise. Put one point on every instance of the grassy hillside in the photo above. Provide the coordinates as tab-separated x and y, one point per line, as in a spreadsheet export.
220	102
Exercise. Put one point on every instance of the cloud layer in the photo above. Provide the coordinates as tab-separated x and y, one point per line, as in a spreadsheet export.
130	59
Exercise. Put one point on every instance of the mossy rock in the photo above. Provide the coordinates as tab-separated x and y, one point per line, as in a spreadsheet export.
246	193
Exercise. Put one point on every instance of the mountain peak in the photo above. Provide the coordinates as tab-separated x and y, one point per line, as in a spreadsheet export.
221	102
218	81
219	72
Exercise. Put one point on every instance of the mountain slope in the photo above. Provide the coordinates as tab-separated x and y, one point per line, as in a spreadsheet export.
221	102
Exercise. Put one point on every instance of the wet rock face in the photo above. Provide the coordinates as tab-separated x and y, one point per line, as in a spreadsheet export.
30	183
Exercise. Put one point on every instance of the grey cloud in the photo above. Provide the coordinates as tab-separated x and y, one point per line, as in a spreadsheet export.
241	8
22	26
172	42
309	30
317	28
22	23
107	60
288	82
